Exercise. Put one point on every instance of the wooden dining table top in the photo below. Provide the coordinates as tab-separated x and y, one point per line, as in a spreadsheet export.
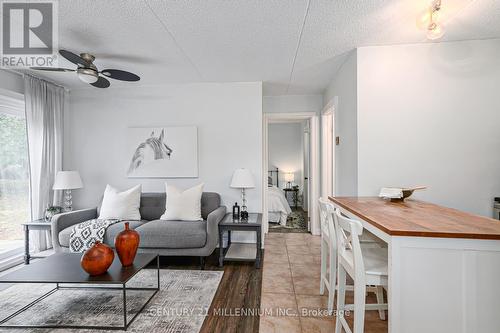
419	218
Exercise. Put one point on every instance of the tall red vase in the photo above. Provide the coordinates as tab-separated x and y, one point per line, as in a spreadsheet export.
97	259
126	244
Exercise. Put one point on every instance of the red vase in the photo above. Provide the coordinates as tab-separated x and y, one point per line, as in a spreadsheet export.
126	244
97	259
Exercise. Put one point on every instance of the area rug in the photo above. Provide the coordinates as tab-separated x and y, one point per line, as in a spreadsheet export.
180	305
296	222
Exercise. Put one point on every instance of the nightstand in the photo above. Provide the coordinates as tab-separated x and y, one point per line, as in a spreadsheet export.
295	195
240	251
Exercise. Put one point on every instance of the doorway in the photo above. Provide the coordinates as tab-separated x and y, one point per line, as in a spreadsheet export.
328	143
299	182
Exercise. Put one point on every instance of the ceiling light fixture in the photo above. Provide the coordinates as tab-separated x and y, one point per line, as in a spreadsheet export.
87	75
429	21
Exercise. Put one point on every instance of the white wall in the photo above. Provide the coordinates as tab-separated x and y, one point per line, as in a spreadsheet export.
292	103
429	114
229	120
286	151
342	93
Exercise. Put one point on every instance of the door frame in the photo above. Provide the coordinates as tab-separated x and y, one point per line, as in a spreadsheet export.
314	173
328	144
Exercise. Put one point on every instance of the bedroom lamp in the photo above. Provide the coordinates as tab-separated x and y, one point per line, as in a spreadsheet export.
289	178
242	178
67	181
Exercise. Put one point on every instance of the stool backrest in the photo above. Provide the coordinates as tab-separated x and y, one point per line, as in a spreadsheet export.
348	246
323	216
327	210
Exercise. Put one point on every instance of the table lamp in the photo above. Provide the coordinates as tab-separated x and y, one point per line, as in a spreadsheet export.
242	178
67	181
289	178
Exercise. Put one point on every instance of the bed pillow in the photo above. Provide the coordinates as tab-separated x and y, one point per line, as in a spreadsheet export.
121	205
183	205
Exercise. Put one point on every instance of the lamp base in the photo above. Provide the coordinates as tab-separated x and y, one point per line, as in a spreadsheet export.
68	201
243	213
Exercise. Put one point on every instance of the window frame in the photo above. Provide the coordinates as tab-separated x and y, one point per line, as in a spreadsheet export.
12	103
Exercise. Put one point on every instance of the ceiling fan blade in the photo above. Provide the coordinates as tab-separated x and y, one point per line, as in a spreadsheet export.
52	69
101	83
70	56
120	75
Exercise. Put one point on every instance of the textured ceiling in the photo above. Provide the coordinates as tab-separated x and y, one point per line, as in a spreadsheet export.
294	46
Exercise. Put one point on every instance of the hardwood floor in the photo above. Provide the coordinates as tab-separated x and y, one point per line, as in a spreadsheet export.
239	291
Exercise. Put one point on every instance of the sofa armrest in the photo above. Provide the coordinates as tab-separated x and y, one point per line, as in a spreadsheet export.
213	220
62	221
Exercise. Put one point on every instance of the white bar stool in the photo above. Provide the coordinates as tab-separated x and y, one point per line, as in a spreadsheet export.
329	254
366	266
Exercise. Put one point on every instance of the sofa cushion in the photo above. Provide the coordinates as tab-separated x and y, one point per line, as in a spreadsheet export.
121	205
173	234
210	201
109	236
183	205
153	205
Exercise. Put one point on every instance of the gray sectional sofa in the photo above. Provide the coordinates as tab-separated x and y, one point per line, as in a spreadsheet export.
167	238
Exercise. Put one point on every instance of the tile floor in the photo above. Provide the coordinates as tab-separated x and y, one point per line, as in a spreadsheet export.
290	288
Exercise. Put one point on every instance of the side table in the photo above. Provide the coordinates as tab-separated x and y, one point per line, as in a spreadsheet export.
295	195
33	225
240	251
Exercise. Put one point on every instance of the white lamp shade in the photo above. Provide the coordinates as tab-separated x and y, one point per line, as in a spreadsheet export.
242	178
67	180
289	177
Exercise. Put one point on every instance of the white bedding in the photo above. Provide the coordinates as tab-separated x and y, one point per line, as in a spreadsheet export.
277	203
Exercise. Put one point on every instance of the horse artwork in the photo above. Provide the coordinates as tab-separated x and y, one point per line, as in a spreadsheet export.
168	152
158	149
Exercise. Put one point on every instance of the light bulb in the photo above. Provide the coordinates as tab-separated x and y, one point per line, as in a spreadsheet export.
87	75
423	19
435	31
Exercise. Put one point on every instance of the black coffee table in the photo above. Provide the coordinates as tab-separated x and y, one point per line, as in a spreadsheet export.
64	268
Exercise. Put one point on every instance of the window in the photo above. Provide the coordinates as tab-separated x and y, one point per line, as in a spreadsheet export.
14	176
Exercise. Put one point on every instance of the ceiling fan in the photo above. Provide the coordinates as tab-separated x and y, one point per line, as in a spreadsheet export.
88	72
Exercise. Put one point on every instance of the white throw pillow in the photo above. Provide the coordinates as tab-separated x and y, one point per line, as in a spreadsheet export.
183	205
121	205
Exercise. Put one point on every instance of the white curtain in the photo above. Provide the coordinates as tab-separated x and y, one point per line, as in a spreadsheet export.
45	103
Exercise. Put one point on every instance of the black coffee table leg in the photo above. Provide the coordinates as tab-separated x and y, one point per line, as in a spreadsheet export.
158	270
4	320
155	290
124	307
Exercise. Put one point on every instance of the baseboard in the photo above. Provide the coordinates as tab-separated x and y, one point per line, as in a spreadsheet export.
11	262
11	253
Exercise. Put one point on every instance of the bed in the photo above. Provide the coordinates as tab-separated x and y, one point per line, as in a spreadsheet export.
277	205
